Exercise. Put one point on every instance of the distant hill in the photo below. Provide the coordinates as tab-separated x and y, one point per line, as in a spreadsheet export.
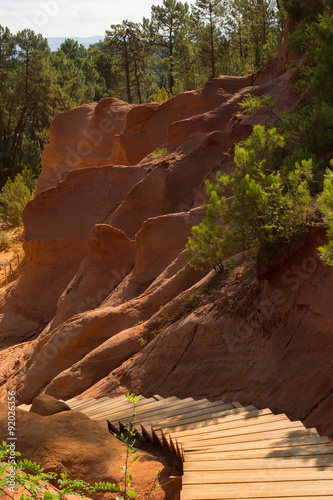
55	42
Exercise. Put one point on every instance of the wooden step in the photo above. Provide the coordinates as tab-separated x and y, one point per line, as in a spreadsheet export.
321	463
255	436
244	424
125	411
228	416
254	445
164	409
80	402
279	490
185	414
260	453
255	476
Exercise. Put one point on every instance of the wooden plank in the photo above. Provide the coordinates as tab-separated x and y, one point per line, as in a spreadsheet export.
122	404
189	418
158	437
255	476
24	407
218	445
142	408
158	397
323	462
107	404
81	402
248	429
257	422
281	490
256	436
229	416
168	411
184	496
193	415
245	454
69	401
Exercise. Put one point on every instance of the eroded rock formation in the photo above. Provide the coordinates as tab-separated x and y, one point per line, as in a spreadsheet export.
103	304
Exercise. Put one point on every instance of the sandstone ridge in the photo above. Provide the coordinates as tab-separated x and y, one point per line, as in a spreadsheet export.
107	303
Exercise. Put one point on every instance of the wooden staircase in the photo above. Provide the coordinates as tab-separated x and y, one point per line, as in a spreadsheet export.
228	451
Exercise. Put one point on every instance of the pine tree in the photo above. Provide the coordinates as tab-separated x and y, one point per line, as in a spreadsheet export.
212	13
265	204
168	19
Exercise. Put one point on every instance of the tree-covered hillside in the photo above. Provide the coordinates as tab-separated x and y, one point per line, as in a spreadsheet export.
177	49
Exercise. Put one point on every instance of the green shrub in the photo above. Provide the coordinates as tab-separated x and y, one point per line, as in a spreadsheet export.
13	198
265	203
326	205
5	241
161	153
298	9
31	480
162	96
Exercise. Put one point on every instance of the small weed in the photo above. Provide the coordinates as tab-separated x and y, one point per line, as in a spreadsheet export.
161	153
231	303
142	341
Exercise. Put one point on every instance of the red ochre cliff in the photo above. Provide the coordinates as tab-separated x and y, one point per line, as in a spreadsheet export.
104	242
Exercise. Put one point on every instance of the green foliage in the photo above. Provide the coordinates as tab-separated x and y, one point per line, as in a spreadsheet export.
161	153
323	72
13	198
168	20
326	206
5	241
129	438
265	202
162	96
31	481
253	103
299	9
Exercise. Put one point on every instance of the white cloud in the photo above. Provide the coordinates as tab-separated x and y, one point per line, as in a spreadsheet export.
77	18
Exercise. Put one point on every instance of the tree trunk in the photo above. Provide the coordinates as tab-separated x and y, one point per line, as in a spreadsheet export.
2	131
18	134
212	40
171	79
137	77
127	70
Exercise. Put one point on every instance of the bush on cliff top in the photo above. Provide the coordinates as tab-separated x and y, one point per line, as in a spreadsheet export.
265	204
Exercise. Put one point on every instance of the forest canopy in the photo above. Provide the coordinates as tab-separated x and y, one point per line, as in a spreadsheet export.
177	49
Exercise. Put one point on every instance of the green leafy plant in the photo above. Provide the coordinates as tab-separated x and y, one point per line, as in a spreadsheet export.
13	198
31	482
129	440
161	153
326	205
253	104
264	204
162	95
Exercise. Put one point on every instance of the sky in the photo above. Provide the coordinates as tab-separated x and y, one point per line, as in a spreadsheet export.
71	18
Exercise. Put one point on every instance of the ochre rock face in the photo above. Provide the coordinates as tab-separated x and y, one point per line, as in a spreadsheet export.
100	307
81	138
73	443
48	405
276	353
67	441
